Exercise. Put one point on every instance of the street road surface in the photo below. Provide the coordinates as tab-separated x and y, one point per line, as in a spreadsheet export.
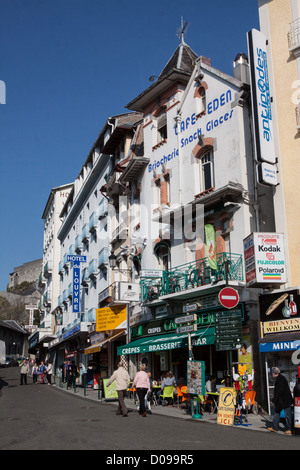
39	417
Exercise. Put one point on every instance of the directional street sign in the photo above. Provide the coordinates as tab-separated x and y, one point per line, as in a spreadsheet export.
186	329
229	297
185	319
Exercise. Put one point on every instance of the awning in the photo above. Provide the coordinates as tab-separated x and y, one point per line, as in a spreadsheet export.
97	347
201	337
274	342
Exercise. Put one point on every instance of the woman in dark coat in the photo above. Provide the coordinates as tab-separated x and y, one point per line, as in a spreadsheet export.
282	400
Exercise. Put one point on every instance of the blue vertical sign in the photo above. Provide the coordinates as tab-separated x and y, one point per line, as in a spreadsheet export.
76	280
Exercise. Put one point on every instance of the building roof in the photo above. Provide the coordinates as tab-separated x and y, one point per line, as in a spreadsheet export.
178	68
183	59
13	325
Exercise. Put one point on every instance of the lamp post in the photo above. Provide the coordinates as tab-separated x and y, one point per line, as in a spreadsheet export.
112	259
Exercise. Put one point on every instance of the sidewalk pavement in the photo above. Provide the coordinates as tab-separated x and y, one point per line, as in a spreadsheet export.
255	422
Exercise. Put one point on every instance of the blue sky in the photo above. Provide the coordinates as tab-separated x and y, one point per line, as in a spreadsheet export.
67	66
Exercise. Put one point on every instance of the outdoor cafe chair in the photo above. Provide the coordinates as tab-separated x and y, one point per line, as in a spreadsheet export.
168	393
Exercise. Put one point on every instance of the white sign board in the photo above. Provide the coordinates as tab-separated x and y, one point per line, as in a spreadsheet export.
261	97
267	174
265	258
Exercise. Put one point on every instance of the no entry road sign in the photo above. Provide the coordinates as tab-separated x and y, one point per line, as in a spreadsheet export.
228	297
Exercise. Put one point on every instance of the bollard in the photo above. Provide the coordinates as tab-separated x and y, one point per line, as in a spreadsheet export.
84	384
74	383
99	389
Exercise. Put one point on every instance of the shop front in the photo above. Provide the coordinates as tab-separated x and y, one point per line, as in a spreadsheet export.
101	354
159	344
69	346
280	337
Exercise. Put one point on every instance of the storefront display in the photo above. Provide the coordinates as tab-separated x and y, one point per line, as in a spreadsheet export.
280	341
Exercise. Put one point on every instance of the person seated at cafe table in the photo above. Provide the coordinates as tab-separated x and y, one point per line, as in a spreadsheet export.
168	381
210	385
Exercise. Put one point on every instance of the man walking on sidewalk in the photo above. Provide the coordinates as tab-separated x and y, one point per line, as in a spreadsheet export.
122	380
282	400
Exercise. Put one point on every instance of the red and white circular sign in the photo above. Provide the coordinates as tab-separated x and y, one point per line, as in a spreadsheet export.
229	297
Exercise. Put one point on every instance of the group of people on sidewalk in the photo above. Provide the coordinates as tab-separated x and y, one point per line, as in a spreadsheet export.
122	381
36	370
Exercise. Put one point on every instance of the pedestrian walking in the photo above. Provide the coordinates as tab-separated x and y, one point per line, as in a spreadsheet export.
67	371
24	372
49	372
72	374
282	400
35	373
42	370
142	384
122	380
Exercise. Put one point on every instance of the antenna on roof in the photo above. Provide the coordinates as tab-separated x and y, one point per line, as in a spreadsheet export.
182	30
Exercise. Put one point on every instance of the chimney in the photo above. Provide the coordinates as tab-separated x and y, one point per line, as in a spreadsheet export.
241	68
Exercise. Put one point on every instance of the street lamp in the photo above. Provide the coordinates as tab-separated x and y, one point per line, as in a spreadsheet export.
112	259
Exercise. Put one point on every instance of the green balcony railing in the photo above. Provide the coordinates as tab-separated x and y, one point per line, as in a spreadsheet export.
191	275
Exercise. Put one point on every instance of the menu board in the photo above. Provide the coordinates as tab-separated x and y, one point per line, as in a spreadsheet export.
196	377
228	330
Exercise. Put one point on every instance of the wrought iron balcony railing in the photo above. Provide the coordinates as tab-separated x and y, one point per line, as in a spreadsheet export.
191	275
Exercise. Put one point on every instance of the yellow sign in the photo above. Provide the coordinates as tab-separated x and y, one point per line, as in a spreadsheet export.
111	318
281	325
226	407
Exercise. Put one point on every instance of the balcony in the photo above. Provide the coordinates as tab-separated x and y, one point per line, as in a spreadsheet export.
121	232
89	317
103	258
84	277
85	233
78	243
70	291
294	37
47	269
186	277
93	268
41	280
103	209
93	220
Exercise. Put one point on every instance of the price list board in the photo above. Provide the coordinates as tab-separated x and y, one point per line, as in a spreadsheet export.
228	330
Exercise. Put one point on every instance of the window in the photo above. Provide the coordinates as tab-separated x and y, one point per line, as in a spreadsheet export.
162	127
206	171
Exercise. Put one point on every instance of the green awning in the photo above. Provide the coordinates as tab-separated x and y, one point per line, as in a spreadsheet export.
202	337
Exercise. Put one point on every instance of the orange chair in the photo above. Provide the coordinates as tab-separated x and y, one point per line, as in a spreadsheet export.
180	396
185	395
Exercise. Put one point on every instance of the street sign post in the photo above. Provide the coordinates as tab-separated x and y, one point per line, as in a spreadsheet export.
229	297
187	328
